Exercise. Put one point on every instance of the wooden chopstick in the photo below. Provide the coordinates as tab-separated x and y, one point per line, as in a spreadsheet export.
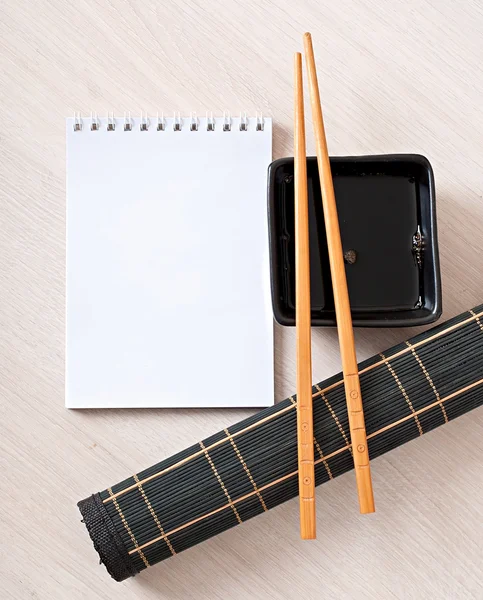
305	427
341	296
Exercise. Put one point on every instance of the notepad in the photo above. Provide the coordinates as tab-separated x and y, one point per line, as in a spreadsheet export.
168	292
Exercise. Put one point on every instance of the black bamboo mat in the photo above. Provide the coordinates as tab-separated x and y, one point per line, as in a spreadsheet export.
251	467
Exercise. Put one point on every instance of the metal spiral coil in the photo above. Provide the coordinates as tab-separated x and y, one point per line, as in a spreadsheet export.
95	123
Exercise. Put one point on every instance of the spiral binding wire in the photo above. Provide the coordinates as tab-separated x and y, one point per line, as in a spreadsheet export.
210	122
194	123
144	122
243	122
177	124
77	122
94	122
226	122
111	124
160	122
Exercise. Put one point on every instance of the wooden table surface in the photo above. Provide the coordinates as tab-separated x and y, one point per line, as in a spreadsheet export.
395	77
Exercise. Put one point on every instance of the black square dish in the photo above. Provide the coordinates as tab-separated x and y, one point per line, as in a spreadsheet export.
387	218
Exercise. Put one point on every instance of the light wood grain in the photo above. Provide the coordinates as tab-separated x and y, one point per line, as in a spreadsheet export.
400	77
352	386
305	421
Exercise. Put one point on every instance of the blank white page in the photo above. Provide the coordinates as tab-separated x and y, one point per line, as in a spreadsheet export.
168	297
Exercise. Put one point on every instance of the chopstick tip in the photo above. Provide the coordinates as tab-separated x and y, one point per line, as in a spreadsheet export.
308	46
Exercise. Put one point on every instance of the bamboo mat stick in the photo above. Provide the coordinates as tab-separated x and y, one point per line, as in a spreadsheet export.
305	427
341	296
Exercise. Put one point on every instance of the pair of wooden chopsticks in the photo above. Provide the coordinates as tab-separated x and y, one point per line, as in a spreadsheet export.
357	426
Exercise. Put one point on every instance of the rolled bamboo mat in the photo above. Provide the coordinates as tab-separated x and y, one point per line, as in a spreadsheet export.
251	467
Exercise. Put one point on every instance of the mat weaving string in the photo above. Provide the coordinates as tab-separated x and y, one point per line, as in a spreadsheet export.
251	467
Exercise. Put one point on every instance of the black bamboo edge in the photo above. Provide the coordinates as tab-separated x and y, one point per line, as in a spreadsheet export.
106	539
